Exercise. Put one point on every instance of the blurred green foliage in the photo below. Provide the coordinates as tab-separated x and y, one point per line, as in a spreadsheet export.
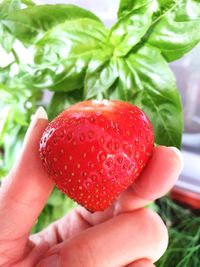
184	235
58	205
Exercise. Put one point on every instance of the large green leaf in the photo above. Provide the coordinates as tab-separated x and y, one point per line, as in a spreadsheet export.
63	54
178	31
154	88
126	6
101	74
29	24
8	7
175	28
129	29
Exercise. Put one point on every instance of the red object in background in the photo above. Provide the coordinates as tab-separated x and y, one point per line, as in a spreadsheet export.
188	198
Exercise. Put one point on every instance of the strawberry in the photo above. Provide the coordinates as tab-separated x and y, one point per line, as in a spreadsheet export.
95	149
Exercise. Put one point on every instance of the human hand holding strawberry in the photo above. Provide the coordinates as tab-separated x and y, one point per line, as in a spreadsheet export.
121	236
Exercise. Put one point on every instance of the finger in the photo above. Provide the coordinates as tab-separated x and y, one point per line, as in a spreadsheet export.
121	240
26	189
65	228
157	178
141	263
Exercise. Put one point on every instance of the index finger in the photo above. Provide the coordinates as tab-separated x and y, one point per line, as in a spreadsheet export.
27	187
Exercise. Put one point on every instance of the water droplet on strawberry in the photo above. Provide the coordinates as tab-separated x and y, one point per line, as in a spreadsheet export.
131	167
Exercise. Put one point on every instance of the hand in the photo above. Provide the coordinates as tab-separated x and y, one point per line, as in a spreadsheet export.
124	235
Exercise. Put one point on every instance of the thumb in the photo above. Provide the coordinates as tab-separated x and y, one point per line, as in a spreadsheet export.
27	187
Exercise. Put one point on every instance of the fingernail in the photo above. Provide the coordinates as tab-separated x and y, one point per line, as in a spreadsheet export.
40	114
52	261
179	155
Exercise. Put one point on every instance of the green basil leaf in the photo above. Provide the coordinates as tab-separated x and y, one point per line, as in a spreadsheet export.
5	74
13	141
4	119
60	101
63	54
153	86
126	6
101	74
129	29
8	6
175	27
6	38
65	75
29	24
160	7
178	30
28	2
126	84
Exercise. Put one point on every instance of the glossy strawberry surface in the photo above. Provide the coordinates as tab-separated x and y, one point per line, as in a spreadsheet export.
95	149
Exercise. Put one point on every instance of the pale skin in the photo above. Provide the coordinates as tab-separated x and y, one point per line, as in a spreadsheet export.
126	234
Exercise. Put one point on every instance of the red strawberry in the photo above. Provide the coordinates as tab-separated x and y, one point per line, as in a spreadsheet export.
95	149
